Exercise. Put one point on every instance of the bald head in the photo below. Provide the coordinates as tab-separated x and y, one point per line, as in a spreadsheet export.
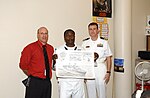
41	29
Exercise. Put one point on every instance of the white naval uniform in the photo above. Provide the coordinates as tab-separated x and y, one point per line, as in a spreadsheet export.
70	87
98	85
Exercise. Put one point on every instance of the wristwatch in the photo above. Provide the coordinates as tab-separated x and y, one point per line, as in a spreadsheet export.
108	72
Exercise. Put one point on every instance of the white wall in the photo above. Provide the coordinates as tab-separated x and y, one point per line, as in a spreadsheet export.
140	9
19	20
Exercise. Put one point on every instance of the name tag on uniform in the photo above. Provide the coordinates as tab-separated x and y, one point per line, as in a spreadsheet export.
99	45
87	46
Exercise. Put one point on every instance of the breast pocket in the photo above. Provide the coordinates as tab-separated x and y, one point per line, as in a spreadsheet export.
100	52
87	47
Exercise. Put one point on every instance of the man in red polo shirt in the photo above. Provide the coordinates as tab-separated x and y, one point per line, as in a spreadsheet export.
36	63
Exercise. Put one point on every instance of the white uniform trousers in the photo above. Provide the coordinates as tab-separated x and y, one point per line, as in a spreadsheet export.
71	89
97	88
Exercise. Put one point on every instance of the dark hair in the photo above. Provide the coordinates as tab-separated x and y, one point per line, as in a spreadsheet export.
69	30
93	23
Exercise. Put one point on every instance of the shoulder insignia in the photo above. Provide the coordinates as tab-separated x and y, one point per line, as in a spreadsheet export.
86	39
102	38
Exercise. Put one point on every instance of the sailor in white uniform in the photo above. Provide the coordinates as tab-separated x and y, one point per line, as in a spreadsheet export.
102	65
70	87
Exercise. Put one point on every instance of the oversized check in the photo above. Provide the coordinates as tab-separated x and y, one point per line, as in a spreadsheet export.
75	64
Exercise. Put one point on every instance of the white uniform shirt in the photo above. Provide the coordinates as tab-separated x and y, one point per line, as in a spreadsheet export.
99	46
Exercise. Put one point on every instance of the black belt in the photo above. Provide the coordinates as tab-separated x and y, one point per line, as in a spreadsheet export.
47	79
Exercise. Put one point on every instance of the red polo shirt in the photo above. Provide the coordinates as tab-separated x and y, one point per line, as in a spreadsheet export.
32	59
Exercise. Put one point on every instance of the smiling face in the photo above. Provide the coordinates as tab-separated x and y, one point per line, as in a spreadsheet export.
93	31
69	37
42	35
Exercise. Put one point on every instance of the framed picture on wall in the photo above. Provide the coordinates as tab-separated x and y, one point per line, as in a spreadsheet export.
102	8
